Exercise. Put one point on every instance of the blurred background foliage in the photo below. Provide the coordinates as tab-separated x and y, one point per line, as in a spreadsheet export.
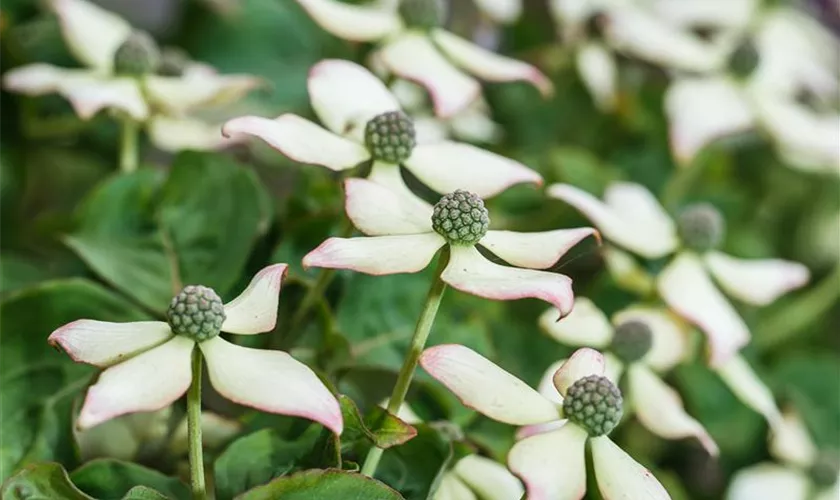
81	240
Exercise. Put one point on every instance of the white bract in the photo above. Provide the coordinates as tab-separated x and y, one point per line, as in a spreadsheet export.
162	102
794	60
348	99
639	343
552	464
400	239
805	473
420	51
147	367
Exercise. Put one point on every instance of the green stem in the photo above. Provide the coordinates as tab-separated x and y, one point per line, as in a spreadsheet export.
418	342
798	315
199	491
128	145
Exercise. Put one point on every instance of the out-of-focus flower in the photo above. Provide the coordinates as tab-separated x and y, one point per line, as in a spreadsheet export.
640	342
415	47
366	123
500	11
782	79
552	464
147	363
632	218
405	233
126	72
805	472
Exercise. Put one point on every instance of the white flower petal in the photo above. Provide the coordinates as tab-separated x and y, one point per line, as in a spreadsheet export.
546	386
702	110
582	363
377	255
179	134
728	14
488	65
102	343
630	216
552	465
378	211
599	72
687	289
501	11
200	86
670	341
485	387
756	281
452	488
474	124
146	382
352	22
447	166
791	442
586	325
613	368
739	376
39	78
255	309
413	57
470	272
345	96
92	33
660	409
539	250
430	130
270	381
389	175
301	140
769	481
627	272
621	477
490	479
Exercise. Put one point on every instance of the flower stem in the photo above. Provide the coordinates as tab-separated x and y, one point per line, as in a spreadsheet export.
128	145
418	343
199	491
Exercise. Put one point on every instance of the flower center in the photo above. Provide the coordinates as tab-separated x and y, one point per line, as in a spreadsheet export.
173	62
825	468
461	218
744	59
197	312
594	403
423	14
701	227
632	340
390	137
138	55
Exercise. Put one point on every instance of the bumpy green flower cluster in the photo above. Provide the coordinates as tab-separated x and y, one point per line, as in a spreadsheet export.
461	218
594	403
632	340
423	14
390	137
138	55
197	312
701	227
826	467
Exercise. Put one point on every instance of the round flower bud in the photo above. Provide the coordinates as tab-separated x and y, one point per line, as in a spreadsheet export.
594	403
632	340
744	59
138	55
173	62
423	14
197	312
825	468
701	227
461	218
390	137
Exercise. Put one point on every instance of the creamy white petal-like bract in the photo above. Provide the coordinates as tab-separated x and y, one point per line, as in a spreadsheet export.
271	381
539	250
359	23
146	382
92	33
586	325
582	363
768	480
791	442
490	479
501	11
452	488
200	85
102	343
377	255
599	72
756	281
173	134
552	464
726	14
255	309
621	477
301	140
739	376
377	211
485	387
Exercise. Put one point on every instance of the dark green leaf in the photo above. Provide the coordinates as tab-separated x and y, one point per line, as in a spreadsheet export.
144	493
379	427
41	481
108	479
322	485
415	468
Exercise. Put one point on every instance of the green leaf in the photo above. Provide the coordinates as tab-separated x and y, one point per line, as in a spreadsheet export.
416	468
323	484
108	478
41	481
144	493
810	381
379	427
258	458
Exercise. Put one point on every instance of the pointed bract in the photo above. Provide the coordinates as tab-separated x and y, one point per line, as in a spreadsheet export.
582	363
744	382
539	250
490	479
552	465
255	309
359	23
768	480
102	343
620	477
377	255
586	325
92	33
377	211
756	281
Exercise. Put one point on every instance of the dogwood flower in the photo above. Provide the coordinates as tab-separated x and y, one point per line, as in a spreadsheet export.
405	233
805	472
783	81
500	11
366	123
413	46
552	464
640	343
147	363
124	73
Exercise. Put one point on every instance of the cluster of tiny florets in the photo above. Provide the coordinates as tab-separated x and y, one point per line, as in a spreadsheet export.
701	227
390	137
594	403
197	312
632	340
461	218
138	55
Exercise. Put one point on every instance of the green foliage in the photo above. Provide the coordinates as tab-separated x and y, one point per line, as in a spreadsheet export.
42	481
107	478
323	484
